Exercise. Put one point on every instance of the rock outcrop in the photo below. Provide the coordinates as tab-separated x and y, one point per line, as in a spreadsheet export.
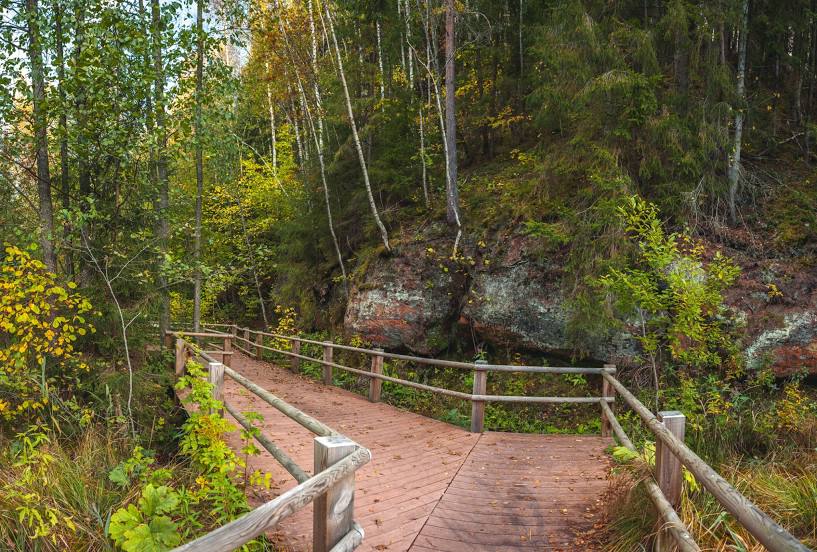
512	296
407	301
412	301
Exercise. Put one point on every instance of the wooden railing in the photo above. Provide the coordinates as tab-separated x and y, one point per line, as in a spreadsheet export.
241	340
331	488
664	489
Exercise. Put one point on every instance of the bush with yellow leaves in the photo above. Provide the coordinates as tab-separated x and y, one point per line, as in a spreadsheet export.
40	322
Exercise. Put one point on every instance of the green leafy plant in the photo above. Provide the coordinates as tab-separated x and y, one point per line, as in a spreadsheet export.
146	526
671	293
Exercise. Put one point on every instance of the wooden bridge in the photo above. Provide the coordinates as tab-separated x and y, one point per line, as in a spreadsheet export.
408	482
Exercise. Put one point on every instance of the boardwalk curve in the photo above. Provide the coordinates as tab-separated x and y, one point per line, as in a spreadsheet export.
432	485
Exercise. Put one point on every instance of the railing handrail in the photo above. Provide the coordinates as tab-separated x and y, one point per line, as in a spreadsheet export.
433	361
768	532
255	522
336	457
431	388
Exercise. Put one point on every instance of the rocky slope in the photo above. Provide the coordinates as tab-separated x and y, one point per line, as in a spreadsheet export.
512	296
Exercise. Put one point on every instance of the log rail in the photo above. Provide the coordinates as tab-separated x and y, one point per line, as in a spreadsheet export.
331	489
664	488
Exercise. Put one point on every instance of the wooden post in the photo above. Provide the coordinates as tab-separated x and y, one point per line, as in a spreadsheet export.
234	330
334	509
295	362
668	474
478	407
667	466
327	370
228	346
168	340
375	384
607	390
181	357
247	338
259	341
215	375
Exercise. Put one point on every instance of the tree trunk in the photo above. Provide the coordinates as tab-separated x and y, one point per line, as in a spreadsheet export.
423	158
383	233
273	133
452	194
84	175
162	201
410	60
199	164
317	135
65	183
40	119
379	64
740	91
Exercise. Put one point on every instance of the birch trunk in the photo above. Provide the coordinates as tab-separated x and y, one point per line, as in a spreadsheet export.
318	139
383	233
380	66
734	168
423	159
317	136
452	194
273	133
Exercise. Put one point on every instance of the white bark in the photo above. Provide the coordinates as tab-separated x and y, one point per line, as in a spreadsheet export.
423	159
383	233
273	134
380	66
734	167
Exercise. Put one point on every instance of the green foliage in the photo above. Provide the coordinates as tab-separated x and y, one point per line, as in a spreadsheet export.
146	528
165	515
672	292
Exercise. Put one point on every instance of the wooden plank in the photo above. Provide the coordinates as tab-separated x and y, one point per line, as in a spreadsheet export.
667	466
451	363
259	344
283	458
215	373
228	347
425	471
333	510
270	514
181	356
293	413
295	361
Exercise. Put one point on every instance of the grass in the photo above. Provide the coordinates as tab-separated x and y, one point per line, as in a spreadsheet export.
71	488
782	482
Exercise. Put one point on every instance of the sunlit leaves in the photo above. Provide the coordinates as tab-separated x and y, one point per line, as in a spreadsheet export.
40	323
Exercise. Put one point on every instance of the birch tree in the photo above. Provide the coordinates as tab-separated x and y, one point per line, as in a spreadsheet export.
452	194
740	113
163	195
383	233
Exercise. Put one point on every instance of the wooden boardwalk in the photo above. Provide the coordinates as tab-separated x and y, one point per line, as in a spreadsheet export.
432	486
